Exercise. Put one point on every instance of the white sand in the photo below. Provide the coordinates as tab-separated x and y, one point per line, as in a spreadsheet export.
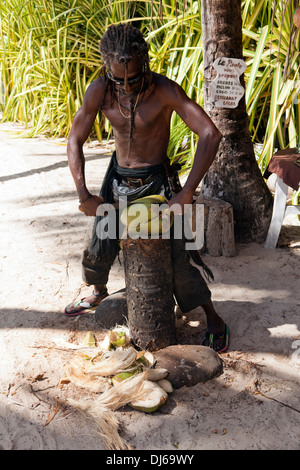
254	404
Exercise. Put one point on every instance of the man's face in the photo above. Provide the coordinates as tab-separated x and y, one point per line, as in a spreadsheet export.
128	77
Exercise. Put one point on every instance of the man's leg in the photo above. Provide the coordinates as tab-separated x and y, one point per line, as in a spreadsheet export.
99	293
95	272
85	304
215	324
191	291
217	333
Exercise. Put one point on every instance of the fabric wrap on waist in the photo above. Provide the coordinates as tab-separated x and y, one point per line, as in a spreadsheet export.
113	186
142	173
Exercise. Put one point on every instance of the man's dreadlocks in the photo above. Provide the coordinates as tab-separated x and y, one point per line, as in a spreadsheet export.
119	44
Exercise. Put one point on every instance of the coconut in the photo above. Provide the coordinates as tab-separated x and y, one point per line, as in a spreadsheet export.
136	211
157	224
89	340
147	215
77	372
146	358
122	393
123	376
156	374
97	362
113	362
166	385
151	397
119	339
105	344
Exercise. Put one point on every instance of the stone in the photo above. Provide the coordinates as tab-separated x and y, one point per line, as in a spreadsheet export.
112	310
189	364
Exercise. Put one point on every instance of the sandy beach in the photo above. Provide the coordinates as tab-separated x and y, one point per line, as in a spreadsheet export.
253	405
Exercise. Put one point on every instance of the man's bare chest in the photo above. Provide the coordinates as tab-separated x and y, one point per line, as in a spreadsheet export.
146	113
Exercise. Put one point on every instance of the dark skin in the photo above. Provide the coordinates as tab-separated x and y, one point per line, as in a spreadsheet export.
154	107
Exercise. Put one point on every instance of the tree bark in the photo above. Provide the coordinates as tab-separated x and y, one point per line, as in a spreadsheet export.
218	227
149	285
234	175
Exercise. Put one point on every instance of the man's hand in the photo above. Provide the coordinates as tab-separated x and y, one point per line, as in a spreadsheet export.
176	204
89	207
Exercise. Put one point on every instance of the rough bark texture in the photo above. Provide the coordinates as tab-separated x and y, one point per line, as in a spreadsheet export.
234	176
149	285
218	227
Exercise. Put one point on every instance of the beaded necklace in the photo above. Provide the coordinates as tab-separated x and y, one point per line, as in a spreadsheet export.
136	102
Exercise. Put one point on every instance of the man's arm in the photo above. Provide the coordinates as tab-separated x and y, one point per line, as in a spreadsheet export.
81	129
209	139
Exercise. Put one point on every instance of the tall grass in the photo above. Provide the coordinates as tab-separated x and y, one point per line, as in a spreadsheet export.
271	48
49	55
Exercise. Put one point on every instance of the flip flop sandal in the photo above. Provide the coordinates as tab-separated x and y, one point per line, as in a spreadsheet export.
80	307
210	338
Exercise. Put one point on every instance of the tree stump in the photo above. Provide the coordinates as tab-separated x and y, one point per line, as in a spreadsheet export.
149	285
218	227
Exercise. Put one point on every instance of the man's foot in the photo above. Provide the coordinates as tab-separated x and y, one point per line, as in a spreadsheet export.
85	304
217	341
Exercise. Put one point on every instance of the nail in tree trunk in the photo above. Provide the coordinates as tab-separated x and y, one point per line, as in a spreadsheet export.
149	285
234	175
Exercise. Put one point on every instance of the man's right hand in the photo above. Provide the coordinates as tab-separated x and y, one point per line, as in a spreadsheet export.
89	207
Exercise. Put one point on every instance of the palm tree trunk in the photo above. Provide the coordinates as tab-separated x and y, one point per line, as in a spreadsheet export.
149	286
234	176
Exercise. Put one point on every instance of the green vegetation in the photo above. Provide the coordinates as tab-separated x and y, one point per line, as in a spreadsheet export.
49	55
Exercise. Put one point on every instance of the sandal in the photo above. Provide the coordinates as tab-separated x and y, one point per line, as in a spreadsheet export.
80	307
211	338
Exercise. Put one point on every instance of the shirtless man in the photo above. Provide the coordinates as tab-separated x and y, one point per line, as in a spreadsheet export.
139	104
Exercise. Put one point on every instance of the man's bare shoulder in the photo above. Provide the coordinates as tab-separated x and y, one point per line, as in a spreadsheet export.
161	81
167	88
94	92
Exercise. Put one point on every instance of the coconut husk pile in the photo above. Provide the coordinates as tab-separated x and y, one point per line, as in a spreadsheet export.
119	375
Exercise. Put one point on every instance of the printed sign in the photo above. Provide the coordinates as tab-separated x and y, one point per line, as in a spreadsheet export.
225	90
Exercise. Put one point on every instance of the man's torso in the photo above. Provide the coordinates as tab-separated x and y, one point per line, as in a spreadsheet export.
151	131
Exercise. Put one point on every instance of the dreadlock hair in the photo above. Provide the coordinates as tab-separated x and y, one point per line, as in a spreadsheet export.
120	43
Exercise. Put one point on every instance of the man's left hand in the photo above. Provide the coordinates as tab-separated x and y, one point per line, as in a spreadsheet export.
178	201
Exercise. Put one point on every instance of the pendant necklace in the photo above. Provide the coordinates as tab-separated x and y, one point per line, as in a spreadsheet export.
136	102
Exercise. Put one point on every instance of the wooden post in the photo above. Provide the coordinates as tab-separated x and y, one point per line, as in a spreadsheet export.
218	227
149	285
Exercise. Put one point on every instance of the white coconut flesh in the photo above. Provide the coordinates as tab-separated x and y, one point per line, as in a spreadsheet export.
166	385
156	374
151	397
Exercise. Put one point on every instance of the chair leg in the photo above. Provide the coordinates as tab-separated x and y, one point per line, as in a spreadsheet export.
278	214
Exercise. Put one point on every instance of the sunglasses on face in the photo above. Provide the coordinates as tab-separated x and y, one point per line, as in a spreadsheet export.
120	81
